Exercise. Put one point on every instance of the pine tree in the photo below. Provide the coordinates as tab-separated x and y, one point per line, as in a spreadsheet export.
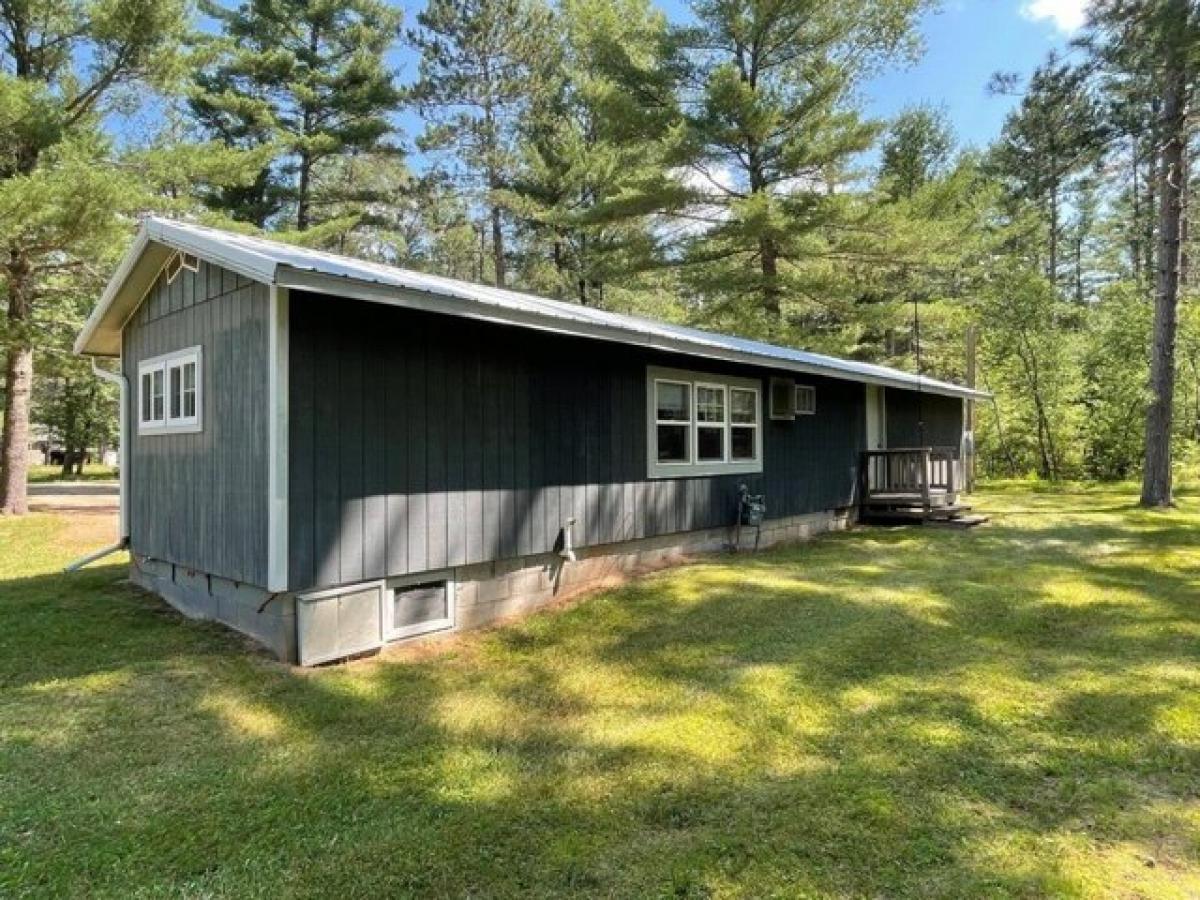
772	126
596	144
308	75
1156	44
1055	135
916	149
60	64
478	59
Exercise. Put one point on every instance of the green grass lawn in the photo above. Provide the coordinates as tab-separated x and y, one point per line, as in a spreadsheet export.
91	472
1011	711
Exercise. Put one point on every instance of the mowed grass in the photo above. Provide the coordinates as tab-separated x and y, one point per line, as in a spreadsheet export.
1012	711
91	472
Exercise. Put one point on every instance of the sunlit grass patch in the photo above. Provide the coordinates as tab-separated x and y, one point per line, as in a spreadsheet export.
1009	711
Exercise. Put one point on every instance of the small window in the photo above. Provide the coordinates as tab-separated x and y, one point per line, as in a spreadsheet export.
413	609
702	424
783	399
806	400
189	261
169	388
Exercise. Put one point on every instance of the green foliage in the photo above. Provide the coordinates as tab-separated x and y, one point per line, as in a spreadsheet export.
478	72
1030	359
595	150
77	408
309	75
915	150
1115	360
771	129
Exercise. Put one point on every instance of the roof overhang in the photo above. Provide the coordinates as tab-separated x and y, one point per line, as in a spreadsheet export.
155	242
252	257
428	301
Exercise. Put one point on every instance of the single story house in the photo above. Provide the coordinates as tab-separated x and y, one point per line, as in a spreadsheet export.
329	454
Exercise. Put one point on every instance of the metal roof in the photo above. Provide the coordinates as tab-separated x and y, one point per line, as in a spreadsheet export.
273	262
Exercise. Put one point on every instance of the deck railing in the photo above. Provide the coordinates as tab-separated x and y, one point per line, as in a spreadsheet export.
909	473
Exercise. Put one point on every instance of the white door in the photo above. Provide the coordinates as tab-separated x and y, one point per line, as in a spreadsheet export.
876	418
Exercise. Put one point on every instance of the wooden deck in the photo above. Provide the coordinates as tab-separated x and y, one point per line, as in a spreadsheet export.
914	484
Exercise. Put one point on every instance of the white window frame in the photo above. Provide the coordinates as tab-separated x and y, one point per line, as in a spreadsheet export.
811	392
685	424
388	611
164	365
755	425
694	467
723	425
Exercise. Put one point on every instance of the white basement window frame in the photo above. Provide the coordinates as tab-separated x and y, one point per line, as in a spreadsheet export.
171	393
705	424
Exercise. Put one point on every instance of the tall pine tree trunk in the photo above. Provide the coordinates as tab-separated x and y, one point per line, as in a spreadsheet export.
14	447
1156	475
769	258
498	246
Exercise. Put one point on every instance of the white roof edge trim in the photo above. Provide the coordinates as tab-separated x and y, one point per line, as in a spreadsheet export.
429	300
257	266
274	262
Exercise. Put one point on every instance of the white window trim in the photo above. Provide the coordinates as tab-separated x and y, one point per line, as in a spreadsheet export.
387	612
686	425
751	425
812	392
694	468
169	424
697	424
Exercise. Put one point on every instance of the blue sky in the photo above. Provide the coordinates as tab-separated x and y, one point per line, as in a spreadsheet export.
966	41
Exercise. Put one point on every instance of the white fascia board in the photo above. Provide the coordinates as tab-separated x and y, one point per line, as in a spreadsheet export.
255	266
132	255
447	303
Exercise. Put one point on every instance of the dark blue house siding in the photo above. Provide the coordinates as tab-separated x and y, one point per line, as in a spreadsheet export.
420	442
200	500
916	419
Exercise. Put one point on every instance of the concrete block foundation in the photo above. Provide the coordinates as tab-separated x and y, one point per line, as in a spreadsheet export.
483	592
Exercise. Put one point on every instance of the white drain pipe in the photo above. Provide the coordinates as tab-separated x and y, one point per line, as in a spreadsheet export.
122	464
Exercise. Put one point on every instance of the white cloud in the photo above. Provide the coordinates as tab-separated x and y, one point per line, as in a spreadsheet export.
1066	15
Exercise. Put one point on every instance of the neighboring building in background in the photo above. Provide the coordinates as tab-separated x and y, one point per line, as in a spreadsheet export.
330	454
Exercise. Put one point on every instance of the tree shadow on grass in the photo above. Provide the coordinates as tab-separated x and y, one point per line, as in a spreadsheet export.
899	714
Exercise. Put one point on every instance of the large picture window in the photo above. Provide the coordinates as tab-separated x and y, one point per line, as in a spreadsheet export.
169	393
701	424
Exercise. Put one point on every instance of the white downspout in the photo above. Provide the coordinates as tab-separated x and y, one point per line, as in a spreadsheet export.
122	462
123	451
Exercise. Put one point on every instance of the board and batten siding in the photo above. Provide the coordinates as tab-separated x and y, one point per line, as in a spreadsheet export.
916	419
200	500
420	442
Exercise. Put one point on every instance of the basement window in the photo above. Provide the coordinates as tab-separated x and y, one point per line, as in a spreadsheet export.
169	393
410	609
702	424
